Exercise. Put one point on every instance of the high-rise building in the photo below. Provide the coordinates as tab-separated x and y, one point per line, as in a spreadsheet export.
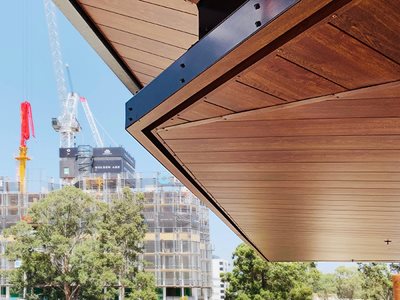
219	266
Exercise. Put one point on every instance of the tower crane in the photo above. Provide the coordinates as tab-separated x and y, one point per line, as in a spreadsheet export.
26	129
89	116
66	124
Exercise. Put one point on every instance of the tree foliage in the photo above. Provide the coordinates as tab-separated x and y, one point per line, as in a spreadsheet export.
377	282
348	283
254	278
77	247
326	286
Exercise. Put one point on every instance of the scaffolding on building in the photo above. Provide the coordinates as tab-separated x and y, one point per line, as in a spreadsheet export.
177	248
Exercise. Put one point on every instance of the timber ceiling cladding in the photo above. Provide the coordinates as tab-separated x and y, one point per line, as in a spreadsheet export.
301	149
147	34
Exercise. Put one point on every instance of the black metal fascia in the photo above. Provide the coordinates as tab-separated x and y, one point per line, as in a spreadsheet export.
242	24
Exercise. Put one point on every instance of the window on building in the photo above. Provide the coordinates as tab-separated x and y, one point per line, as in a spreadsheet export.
221	269
222	285
221	263
66	171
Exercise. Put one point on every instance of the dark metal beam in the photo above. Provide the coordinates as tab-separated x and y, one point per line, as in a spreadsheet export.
247	20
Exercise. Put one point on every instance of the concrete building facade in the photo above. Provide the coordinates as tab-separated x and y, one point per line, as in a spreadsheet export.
219	266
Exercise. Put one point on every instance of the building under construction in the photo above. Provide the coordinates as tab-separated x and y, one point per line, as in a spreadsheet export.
177	247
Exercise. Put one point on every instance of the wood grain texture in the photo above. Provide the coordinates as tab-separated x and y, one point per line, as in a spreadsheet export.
333	109
239	97
142	56
142	43
304	191
144	78
299	176
381	142
325	50
281	78
143	67
149	12
381	91
291	156
307	184
142	28
328	127
203	110
296	167
184	6
374	24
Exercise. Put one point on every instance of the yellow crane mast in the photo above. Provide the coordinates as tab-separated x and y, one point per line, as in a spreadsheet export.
26	129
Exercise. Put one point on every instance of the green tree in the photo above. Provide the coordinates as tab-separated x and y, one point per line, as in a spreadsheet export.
70	248
326	286
377	283
348	283
254	278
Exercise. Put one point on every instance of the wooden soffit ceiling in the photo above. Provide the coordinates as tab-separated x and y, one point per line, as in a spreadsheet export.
286	120
144	37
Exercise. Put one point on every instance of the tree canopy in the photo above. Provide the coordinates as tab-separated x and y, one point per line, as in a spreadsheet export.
74	246
377	282
254	278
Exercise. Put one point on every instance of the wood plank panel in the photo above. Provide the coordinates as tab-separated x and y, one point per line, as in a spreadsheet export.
142	43
144	57
286	228
282	176
174	121
142	28
230	129
350	220
337	231
359	67
203	110
279	77
299	156
143	68
310	184
296	167
305	191
327	214
277	199
150	13
144	78
337	207
184	6
239	97
374	24
380	91
331	109
286	143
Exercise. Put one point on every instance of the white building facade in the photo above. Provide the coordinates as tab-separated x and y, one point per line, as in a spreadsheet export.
219	266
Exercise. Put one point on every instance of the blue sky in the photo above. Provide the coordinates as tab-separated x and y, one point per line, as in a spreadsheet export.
26	66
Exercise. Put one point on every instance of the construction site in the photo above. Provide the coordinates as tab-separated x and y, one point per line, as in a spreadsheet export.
177	248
